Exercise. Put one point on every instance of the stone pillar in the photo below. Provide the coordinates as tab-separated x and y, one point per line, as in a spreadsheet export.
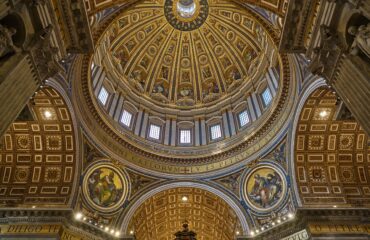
352	83
97	72
113	104
231	122
251	109
99	83
271	85
18	82
167	131
203	131
226	124
119	108
145	123
173	132
197	132
256	104
138	122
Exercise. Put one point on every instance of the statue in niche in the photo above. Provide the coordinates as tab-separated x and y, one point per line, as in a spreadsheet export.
325	54
44	52
6	41
362	39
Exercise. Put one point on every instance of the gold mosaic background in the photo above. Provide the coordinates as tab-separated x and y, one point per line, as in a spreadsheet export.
160	216
37	158
332	158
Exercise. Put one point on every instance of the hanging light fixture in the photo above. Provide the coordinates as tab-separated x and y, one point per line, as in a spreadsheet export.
185	234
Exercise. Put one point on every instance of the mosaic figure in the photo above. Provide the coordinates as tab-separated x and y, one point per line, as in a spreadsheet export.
264	188
105	187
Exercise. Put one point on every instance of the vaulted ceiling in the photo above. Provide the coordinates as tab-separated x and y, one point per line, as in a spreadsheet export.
38	154
163	214
331	155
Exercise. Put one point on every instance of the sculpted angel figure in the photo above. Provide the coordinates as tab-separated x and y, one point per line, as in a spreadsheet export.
6	41
362	39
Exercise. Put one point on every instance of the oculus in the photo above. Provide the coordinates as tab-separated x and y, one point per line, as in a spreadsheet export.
106	187
264	188
186	15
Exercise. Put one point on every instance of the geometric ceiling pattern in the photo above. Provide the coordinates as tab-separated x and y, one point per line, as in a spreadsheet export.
38	154
276	6
332	157
163	214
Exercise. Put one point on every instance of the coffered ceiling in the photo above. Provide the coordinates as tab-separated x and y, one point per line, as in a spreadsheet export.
163	214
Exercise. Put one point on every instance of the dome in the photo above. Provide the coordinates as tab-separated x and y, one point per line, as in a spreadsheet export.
188	82
190	62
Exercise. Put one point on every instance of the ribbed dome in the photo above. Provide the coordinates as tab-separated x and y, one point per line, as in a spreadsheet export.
182	62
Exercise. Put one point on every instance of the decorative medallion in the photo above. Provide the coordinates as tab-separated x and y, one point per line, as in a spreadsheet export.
186	15
264	188
105	187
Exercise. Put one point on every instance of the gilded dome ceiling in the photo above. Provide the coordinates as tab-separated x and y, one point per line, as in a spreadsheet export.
178	83
185	54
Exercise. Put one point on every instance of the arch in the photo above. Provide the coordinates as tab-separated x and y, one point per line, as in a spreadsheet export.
185	184
291	141
57	85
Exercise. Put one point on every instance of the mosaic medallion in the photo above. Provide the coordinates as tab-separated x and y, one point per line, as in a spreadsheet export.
264	188
186	15
105	187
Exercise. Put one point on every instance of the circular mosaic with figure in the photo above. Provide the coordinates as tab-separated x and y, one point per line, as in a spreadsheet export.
264	188
186	15
105	187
